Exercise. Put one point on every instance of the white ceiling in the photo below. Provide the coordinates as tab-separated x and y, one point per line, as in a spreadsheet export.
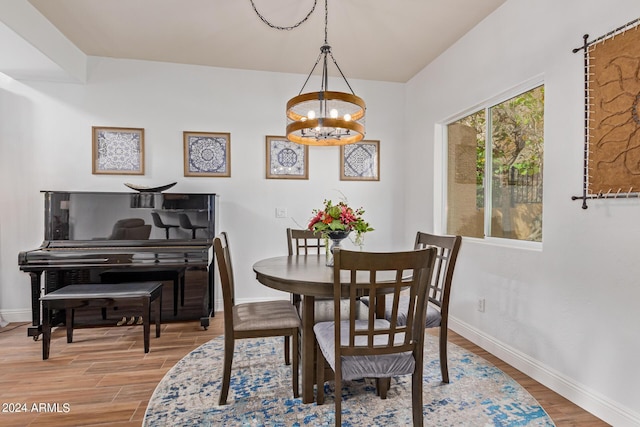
381	40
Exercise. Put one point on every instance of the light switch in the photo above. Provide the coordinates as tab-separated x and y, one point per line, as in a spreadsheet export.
281	212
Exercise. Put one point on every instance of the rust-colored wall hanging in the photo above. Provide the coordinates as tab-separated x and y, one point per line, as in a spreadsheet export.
612	120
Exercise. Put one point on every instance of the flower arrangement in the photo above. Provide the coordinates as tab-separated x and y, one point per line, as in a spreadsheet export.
339	217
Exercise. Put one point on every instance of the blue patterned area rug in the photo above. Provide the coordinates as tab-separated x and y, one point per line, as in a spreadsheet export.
479	394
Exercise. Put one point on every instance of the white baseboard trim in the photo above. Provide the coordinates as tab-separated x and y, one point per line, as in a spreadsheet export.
591	401
18	315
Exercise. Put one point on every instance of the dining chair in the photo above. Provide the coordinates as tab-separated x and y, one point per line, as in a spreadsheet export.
308	242
252	320
376	348
185	222
439	293
157	221
439	290
304	242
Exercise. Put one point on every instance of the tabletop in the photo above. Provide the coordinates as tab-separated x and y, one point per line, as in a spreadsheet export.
303	274
300	274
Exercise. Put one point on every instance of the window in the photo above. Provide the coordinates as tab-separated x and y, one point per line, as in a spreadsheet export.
494	178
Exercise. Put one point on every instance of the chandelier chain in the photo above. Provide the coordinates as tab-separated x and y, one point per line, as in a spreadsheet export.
291	27
326	21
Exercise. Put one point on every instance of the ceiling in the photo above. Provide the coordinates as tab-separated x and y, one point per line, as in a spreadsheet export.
371	39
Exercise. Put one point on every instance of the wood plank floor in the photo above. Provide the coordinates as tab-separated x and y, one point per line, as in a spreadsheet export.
104	377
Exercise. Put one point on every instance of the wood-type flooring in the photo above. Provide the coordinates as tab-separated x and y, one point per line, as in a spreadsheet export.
104	378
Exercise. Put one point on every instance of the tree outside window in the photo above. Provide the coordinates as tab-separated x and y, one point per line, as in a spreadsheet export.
504	142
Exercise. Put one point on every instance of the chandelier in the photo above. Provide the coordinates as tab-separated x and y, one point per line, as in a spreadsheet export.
325	117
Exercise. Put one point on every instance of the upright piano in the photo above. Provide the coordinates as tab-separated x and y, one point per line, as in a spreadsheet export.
90	233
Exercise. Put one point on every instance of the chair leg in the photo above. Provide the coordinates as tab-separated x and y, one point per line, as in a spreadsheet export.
226	373
444	369
319	376
416	396
338	397
383	385
287	349
295	300
296	369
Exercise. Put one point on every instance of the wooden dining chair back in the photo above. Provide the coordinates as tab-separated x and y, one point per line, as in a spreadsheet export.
304	242
307	242
439	292
376	348
252	320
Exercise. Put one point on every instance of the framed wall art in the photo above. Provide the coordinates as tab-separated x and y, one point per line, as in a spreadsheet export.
207	154
360	161
286	159
118	151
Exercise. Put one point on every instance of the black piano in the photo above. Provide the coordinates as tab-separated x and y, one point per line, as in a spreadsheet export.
93	235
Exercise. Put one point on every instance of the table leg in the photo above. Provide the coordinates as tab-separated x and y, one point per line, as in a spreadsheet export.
380	307
308	349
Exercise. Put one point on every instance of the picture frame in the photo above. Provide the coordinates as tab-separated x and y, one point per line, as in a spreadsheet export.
207	154
286	159
117	150
360	161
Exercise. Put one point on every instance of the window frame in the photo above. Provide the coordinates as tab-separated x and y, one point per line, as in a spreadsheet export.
440	215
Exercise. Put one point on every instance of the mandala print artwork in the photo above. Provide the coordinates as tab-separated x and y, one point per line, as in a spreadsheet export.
614	131
286	159
206	154
118	150
360	161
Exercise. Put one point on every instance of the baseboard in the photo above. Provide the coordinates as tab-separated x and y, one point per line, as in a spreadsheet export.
591	401
12	316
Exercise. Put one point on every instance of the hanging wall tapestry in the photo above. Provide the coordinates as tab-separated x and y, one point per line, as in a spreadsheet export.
612	123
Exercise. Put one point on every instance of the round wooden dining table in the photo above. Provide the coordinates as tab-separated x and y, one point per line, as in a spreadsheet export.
306	275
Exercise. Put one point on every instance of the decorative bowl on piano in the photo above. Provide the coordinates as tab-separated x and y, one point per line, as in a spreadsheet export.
144	189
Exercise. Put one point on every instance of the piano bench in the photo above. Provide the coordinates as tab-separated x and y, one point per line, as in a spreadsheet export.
132	274
75	296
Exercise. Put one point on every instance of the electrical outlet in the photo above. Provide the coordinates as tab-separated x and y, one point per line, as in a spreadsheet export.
281	212
481	305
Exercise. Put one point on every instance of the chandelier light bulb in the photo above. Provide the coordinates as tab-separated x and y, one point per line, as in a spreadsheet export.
347	117
333	113
311	114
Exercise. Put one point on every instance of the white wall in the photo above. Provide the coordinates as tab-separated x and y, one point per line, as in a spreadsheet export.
45	144
566	314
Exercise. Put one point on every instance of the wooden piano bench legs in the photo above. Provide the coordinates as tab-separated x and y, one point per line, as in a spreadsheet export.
75	296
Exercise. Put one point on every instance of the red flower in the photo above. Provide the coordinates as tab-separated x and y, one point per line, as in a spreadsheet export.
339	217
315	219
